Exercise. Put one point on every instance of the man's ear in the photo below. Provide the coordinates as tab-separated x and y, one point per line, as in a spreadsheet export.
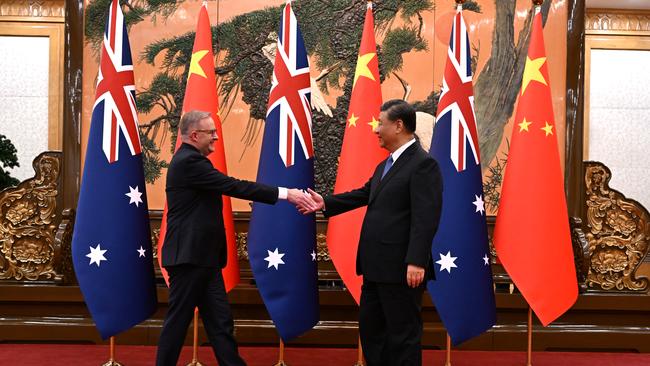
399	125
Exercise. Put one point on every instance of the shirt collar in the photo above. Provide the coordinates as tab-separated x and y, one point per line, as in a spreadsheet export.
396	154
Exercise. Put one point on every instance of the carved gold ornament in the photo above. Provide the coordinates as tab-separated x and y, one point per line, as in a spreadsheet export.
27	229
618	232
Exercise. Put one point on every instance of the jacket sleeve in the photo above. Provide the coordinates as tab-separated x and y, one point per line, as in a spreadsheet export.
344	202
202	175
426	206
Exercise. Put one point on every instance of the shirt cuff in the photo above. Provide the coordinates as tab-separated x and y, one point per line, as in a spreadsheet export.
282	193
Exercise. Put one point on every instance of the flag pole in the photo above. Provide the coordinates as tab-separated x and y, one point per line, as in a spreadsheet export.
529	361
281	356
529	354
111	354
448	360
359	354
195	345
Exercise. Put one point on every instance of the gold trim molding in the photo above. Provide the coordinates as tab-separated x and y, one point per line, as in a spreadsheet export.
608	20
32	10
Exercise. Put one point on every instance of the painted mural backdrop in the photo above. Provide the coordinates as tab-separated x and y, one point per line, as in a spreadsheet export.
412	37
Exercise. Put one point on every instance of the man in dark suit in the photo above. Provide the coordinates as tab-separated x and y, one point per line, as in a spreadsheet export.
404	199
194	250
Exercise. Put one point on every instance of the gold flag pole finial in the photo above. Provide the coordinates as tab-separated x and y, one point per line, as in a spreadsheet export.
537	5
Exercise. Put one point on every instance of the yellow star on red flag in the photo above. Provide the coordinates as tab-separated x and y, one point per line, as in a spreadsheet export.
532	72
352	121
362	68
548	129
195	67
523	126
374	123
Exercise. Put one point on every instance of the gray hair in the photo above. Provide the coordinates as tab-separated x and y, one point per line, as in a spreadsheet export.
190	119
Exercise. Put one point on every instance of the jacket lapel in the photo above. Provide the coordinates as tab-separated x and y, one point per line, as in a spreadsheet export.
379	183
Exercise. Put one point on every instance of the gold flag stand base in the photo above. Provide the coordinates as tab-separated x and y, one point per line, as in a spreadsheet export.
194	363
112	363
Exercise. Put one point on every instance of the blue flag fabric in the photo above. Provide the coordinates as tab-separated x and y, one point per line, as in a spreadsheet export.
463	290
281	241
111	243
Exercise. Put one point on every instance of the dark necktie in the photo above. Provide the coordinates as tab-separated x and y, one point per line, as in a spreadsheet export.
389	164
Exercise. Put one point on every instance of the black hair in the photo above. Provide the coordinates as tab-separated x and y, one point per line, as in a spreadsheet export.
400	109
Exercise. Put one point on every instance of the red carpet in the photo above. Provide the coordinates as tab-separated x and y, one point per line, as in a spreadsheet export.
87	355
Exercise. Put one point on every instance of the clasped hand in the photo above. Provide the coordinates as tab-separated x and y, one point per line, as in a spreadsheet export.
305	202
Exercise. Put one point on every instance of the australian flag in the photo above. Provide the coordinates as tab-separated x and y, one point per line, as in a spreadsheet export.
281	241
111	243
463	290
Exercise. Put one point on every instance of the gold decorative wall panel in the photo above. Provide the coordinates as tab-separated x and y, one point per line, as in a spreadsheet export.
618	232
29	248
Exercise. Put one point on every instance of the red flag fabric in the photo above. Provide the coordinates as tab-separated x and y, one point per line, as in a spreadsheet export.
360	154
201	94
532	235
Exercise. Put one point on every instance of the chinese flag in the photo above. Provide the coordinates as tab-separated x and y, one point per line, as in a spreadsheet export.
360	154
201	94
532	235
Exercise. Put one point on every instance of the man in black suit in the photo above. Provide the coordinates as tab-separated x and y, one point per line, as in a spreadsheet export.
194	250
404	199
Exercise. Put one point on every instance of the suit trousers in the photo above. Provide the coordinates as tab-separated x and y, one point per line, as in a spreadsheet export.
390	324
190	287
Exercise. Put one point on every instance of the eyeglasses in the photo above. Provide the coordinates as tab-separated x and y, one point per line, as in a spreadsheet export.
212	131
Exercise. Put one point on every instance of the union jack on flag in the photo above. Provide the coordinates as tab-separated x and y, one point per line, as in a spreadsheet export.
116	89
463	290
457	97
290	90
111	243
281	241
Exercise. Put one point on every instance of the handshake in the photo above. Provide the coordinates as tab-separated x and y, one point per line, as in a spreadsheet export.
305	202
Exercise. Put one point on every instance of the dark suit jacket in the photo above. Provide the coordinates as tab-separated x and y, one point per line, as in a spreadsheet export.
401	219
195	231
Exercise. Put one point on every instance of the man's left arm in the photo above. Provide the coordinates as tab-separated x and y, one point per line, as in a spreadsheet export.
426	206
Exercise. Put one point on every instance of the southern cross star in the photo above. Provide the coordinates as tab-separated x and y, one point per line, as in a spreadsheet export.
134	195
